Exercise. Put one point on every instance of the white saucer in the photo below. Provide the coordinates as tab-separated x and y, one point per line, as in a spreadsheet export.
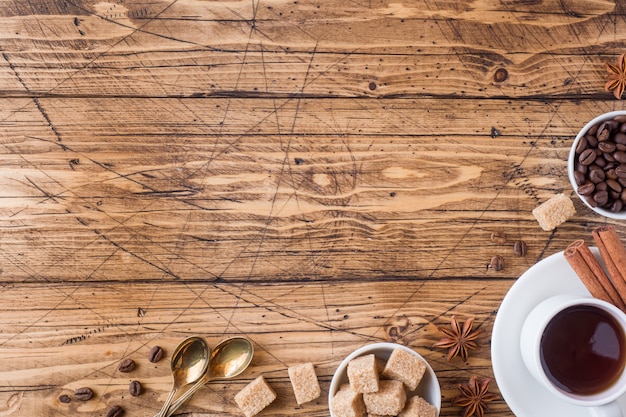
523	394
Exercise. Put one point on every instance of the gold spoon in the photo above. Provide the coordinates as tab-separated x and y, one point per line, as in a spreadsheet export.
229	358
189	364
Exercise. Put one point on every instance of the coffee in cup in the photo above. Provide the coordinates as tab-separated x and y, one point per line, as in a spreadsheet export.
575	346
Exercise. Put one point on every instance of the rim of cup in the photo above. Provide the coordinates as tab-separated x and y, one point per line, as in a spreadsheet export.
571	162
428	388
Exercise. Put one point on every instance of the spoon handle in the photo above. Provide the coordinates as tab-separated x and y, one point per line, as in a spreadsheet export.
166	405
175	405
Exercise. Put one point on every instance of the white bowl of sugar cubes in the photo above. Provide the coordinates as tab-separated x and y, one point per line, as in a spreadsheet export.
384	379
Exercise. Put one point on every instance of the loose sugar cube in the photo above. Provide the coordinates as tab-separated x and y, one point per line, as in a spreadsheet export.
389	400
416	406
305	385
554	211
405	367
363	374
255	396
347	403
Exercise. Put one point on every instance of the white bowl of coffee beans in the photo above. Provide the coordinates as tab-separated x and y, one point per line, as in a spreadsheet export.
597	164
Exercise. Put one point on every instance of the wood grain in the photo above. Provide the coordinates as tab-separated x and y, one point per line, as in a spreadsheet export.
313	175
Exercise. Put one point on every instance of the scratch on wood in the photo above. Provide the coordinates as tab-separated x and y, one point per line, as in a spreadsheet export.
12	404
123	249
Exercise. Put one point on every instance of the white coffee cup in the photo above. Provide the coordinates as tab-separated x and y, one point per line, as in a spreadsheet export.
541	336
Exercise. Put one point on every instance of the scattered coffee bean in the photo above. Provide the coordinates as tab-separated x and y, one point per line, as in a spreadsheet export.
127	365
520	248
65	398
600	165
135	388
156	354
83	394
115	411
497	263
498	237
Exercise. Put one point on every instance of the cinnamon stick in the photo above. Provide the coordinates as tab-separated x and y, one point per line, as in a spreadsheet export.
590	272
614	256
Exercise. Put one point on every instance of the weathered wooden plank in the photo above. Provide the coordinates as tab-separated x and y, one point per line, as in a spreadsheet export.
63	337
165	196
314	175
197	48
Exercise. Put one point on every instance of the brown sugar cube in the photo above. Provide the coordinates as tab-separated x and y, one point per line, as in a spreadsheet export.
363	374
405	367
416	406
255	396
554	211
347	403
305	385
388	401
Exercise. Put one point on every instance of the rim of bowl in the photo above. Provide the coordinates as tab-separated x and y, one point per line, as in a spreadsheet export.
572	155
341	371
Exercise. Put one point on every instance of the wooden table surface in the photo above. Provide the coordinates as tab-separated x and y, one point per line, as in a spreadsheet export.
314	175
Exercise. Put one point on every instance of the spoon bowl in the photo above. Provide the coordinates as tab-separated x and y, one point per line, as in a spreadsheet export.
230	358
189	364
227	360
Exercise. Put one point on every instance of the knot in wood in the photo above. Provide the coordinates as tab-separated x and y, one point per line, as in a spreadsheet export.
500	75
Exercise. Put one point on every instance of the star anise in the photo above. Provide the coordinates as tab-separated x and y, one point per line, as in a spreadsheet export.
474	397
617	77
459	340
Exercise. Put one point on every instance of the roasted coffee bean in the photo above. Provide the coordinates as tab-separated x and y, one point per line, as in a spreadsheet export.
614	194
497	263
617	205
519	248
127	365
582	144
602	186
156	354
604	131
135	388
596	174
589	199
620	171
587	157
115	411
579	177
601	197
614	185
586	189
620	156
606	147
610	174
83	394
65	399
620	137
